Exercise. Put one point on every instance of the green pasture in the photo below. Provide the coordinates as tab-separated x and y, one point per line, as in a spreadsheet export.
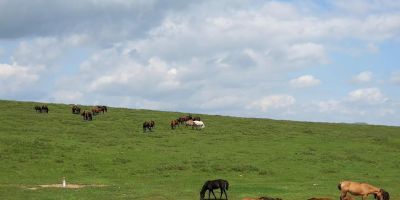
259	157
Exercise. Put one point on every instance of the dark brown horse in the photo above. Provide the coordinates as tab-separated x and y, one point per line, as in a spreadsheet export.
148	125
223	185
42	109
87	115
361	189
76	109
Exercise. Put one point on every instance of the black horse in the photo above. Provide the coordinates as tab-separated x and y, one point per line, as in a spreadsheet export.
148	125
42	109
223	185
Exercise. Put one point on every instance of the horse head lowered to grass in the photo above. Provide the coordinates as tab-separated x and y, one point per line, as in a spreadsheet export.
361	189
223	185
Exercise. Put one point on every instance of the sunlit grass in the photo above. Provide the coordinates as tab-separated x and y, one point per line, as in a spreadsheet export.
259	157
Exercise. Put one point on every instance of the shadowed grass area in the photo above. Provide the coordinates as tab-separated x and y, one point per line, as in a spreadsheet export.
259	157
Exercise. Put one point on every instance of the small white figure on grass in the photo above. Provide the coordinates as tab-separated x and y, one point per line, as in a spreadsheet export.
64	183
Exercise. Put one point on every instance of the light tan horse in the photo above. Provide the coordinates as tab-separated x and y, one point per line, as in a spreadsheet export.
361	189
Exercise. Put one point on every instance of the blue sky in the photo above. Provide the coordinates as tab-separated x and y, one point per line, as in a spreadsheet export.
330	61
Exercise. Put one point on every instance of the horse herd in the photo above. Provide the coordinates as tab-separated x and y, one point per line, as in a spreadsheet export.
354	188
87	115
194	122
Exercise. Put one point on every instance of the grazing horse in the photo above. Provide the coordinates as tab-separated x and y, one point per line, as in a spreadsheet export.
102	108
148	125
87	115
45	109
223	185
174	123
76	109
189	123
184	119
361	189
38	108
198	124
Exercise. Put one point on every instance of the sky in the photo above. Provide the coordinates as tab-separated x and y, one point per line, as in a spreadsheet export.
319	61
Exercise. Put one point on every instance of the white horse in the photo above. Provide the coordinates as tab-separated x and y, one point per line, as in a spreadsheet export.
198	124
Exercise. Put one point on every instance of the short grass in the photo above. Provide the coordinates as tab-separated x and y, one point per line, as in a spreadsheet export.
259	157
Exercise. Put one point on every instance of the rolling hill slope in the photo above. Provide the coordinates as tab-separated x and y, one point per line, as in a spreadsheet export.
259	157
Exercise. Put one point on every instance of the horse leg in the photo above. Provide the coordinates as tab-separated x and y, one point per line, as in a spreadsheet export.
220	197
226	196
364	197
213	194
342	195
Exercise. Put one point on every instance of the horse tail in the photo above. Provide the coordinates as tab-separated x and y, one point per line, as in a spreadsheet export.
339	186
227	185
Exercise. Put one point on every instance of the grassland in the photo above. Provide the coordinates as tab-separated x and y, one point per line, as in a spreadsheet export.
291	160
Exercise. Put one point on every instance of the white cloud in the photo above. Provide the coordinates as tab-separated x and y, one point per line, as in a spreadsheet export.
304	81
367	95
331	106
66	96
395	77
14	78
307	51
274	102
363	77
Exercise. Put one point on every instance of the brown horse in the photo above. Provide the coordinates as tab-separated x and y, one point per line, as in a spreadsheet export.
76	109
189	123
87	115
361	189
148	125
174	124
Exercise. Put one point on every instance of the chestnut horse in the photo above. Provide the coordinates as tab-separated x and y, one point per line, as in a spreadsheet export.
174	124
361	189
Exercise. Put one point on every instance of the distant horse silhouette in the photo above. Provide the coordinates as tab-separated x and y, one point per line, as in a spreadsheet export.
174	124
198	124
148	125
87	115
38	108
223	185
42	108
189	123
76	109
183	119
361	189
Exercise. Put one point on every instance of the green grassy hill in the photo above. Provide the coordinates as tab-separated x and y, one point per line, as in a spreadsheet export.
291	160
